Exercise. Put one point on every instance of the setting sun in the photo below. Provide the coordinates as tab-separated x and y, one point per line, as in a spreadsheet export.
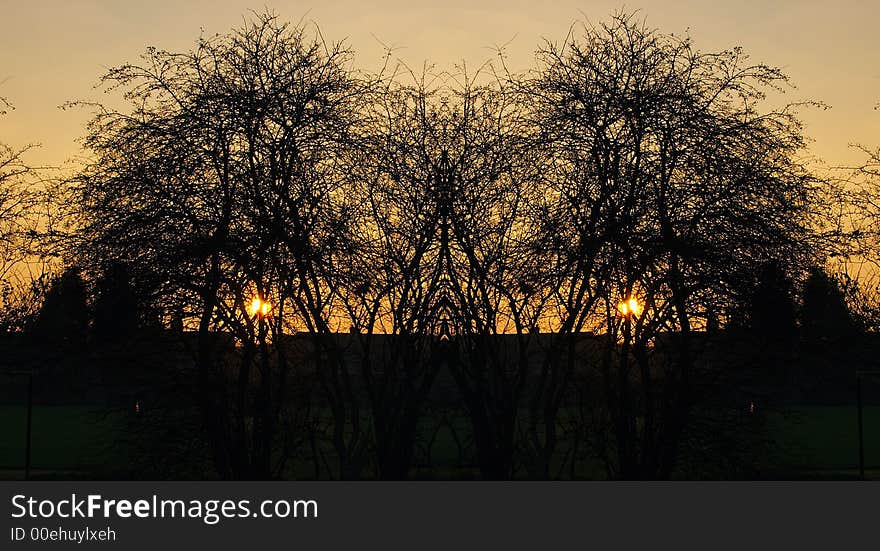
630	307
445	200
259	306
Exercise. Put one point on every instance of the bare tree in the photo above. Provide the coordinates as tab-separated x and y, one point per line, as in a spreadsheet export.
440	271
219	188
668	186
856	254
491	182
556	240
24	273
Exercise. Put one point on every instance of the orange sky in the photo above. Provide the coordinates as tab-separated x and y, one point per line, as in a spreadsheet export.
53	51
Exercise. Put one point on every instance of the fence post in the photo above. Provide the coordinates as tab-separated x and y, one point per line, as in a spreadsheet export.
30	410
861	432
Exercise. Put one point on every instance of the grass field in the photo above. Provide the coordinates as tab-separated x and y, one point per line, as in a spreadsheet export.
822	442
79	442
65	439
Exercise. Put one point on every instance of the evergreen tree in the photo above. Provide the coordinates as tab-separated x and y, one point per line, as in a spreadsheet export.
825	316
772	310
63	320
829	332
116	305
773	323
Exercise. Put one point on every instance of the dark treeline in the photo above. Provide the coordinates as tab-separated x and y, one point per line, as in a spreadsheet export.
588	269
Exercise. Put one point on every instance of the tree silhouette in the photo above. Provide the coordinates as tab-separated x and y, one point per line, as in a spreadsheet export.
773	323
63	320
772	308
555	241
825	315
218	187
116	307
857	214
669	184
23	276
395	277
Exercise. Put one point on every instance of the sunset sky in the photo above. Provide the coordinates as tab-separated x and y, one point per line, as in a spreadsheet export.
53	51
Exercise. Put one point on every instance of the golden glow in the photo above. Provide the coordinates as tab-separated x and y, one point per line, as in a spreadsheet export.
629	307
35	87
260	307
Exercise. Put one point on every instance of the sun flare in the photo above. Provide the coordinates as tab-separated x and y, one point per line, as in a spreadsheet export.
260	306
629	307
